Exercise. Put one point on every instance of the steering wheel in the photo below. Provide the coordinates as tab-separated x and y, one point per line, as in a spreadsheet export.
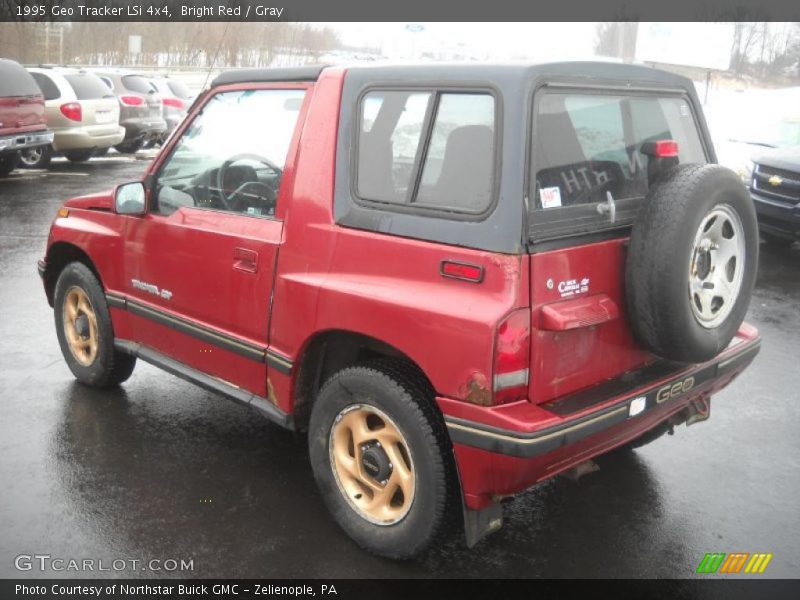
228	200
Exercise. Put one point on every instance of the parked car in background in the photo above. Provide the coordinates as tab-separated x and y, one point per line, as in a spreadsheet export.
775	190
82	113
22	119
140	108
176	99
751	137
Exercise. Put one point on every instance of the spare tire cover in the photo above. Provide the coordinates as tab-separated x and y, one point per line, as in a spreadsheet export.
691	263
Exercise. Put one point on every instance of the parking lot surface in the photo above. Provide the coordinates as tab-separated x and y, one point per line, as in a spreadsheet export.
160	469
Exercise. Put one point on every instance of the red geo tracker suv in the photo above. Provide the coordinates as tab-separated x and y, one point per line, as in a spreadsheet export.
459	280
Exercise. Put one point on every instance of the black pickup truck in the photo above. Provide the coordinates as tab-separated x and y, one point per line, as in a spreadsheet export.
775	189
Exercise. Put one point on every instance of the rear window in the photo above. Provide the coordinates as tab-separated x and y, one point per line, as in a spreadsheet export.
587	148
88	87
427	149
47	85
137	83
177	88
16	81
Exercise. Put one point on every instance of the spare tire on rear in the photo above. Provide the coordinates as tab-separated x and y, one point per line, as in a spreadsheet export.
692	263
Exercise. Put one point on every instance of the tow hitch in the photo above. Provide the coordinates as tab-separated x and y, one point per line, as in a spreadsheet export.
698	410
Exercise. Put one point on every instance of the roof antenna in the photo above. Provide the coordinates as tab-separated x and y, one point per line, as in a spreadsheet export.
216	54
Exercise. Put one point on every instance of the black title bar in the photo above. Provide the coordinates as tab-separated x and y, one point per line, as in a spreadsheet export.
406	10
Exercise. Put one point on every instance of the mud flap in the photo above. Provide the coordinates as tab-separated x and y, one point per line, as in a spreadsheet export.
480	523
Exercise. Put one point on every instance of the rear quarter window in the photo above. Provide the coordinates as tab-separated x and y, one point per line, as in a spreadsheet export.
16	81
47	85
427	149
587	147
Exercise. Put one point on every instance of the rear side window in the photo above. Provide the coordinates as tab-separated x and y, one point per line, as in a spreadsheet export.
587	148
427	149
16	81
137	83
47	85
88	87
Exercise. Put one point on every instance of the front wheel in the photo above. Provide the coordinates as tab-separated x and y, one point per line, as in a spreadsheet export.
85	333
36	158
381	458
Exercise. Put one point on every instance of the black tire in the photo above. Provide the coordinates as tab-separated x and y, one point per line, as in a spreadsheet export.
79	156
8	162
661	253
776	240
394	389
129	147
36	158
109	367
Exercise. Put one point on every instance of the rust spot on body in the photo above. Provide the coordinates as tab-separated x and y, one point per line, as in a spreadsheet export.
476	390
271	393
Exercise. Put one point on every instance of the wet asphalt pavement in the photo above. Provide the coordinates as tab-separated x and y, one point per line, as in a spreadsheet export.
160	469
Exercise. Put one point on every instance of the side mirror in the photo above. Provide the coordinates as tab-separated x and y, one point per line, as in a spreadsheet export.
129	199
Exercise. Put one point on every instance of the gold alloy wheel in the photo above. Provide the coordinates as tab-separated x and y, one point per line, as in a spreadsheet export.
372	464
80	326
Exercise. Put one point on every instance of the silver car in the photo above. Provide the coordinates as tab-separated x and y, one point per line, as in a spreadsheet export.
81	111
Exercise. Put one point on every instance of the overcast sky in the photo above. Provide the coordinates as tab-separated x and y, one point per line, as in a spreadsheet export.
498	41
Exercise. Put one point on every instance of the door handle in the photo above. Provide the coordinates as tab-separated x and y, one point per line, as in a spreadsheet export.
245	260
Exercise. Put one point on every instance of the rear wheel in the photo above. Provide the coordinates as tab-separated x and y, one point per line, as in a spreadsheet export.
78	156
381	459
8	162
36	158
129	147
85	332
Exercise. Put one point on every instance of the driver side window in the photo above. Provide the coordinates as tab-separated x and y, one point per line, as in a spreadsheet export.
231	157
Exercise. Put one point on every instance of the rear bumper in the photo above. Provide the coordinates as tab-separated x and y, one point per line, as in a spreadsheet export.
506	449
85	138
777	217
32	139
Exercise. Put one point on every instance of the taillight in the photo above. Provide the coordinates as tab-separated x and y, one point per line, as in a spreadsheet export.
72	110
661	149
512	357
174	102
132	100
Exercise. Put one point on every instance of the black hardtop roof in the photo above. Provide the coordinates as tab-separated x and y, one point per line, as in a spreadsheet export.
585	71
277	74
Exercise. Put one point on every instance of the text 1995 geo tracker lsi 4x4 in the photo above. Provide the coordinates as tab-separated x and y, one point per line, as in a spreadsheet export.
460	280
